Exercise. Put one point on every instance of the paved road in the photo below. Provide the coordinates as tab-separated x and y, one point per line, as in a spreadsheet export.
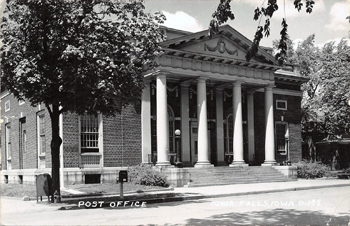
311	207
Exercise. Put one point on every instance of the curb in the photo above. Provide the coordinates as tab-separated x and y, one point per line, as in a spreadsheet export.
114	194
199	196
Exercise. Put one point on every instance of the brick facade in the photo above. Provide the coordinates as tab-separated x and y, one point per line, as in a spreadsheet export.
22	112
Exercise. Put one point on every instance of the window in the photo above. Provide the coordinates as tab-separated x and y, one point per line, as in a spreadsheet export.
41	134
89	133
282	138
281	104
171	130
8	141
229	134
22	140
7	105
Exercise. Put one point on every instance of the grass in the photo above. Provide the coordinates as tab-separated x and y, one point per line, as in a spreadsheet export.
21	190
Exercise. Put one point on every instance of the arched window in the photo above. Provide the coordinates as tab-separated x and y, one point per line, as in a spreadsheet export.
229	134
171	118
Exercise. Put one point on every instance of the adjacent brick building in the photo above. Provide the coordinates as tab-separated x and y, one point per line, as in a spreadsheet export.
229	112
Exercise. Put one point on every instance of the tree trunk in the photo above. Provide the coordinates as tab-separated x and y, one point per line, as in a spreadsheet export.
55	154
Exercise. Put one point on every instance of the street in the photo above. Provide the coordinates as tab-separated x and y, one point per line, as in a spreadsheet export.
307	207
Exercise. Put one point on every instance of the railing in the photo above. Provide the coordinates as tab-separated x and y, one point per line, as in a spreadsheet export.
90	160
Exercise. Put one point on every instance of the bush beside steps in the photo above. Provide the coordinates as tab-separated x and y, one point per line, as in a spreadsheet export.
145	175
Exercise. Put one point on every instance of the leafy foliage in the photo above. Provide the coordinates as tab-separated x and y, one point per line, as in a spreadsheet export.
312	170
325	103
144	175
223	13
77	56
90	51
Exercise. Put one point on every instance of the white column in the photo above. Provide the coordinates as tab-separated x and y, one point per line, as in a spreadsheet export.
203	160
146	135
269	131
251	140
185	123
220	127
237	126
162	122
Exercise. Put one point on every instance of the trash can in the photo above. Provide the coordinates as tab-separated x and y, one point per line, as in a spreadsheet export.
43	186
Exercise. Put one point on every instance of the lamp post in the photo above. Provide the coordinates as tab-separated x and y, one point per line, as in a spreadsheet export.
286	136
178	162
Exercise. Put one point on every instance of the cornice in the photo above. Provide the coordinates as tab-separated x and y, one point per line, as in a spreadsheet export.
234	68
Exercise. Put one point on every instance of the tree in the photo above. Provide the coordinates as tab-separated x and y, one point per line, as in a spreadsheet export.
224	12
325	103
77	56
335	92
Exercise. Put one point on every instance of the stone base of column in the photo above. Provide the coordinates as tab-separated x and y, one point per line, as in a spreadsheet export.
147	163
206	164
238	163
269	163
164	164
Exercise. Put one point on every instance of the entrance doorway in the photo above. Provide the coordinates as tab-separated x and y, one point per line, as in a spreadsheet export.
194	143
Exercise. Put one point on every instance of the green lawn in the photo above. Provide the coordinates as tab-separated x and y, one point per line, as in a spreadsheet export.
21	190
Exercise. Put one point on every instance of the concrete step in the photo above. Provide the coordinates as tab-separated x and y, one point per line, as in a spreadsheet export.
234	175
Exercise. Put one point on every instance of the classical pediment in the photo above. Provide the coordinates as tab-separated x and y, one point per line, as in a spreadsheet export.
228	44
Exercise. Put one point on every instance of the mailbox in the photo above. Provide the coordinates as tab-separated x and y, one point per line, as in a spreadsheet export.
123	176
43	186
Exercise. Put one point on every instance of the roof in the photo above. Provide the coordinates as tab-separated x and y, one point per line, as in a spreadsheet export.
226	31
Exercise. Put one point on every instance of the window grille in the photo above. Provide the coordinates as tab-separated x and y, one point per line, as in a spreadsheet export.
8	141
89	133
171	130
42	137
229	134
281	142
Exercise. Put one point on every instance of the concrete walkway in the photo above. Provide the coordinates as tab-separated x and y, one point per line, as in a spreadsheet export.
193	193
246	189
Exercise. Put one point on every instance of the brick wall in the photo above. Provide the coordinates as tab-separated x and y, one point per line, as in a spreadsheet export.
70	140
13	117
292	116
122	138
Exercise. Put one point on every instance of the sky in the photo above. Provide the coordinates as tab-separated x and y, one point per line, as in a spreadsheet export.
327	21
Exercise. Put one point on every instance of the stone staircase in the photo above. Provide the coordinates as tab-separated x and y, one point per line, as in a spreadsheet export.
234	175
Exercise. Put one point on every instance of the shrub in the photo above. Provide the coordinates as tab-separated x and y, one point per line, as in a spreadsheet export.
144	175
311	170
347	170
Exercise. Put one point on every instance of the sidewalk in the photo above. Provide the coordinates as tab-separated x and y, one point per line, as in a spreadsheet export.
184	194
192	193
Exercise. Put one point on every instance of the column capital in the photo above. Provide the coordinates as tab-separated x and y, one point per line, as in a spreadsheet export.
202	79
185	84
269	86
162	75
237	83
219	89
147	81
250	92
